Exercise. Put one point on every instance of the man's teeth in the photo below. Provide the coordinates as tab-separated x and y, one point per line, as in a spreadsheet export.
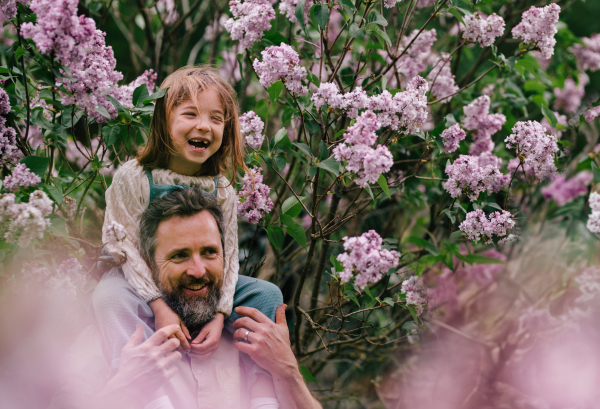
195	287
196	143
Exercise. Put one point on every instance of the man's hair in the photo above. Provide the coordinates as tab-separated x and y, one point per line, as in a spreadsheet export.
178	203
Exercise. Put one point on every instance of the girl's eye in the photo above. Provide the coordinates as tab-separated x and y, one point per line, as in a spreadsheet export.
190	113
218	118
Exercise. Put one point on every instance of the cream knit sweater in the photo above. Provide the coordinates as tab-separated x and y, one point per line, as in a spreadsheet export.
126	200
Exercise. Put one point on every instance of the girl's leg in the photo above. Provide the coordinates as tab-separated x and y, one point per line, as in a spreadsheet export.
255	293
118	309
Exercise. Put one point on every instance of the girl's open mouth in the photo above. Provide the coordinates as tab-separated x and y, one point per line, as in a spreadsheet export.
198	143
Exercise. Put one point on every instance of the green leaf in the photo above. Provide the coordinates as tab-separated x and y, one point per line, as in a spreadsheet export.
368	292
321	13
375	17
381	35
102	111
455	235
382	182
300	14
523	65
323	152
275	234
304	148
413	313
439	129
280	161
279	136
456	14
336	264
161	93
450	215
330	165
479	259
294	229
550	117
4	246
36	164
389	301
307	375
54	193
140	94
596	172
370	192
291	206
111	134
462	5
356	31
348	6
275	89
430	247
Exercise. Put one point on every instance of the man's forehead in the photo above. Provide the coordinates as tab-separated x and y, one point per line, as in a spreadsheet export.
198	229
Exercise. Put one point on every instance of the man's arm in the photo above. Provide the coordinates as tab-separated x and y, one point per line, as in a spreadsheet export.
269	346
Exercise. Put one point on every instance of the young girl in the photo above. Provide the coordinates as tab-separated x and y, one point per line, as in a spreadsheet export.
194	139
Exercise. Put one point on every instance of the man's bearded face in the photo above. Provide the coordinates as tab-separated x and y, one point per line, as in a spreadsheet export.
189	258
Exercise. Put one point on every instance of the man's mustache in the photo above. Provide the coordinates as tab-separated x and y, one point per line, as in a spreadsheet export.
187	280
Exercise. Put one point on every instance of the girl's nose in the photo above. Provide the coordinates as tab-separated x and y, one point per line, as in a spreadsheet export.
202	124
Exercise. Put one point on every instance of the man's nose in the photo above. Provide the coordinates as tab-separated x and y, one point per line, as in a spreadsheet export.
197	268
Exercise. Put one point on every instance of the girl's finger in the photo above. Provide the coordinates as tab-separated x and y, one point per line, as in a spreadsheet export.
202	337
186	332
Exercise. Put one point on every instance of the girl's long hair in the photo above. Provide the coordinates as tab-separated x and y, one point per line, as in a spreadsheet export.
184	84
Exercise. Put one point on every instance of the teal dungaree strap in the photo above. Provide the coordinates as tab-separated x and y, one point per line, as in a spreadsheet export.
161	190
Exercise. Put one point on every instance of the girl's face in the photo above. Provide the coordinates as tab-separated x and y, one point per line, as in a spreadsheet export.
196	132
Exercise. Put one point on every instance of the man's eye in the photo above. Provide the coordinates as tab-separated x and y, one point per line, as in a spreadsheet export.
179	256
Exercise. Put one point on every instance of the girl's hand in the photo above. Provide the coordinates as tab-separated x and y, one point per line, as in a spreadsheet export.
208	340
164	316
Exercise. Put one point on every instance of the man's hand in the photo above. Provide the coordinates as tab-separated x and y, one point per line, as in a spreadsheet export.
208	340
145	367
269	342
165	316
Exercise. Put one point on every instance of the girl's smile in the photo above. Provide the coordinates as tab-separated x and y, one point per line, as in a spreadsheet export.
196	132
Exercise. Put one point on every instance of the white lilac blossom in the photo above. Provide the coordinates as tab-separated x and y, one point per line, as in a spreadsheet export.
21	176
483	30
406	111
251	127
361	158
251	18
442	79
593	223
452	137
478	226
561	119
22	222
588	53
591	114
115	232
537	27
288	8
534	147
253	198
569	97
478	119
281	63
467	176
417	295
563	191
365	256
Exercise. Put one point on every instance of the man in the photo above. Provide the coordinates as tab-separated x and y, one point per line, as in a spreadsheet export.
181	238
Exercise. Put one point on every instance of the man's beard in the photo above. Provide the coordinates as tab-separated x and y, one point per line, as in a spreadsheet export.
194	311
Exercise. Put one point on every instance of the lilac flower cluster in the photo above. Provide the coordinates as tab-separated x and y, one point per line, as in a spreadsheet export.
328	93
288	8
538	27
116	233
418	56
9	152
442	79
22	222
252	127
564	191
569	97
483	30
588	53
417	295
253	198
593	223
478	226
561	119
8	8
592	113
251	19
478	119
78	45
4	102
388	4
469	175
168	11
534	147
452	137
366	162
68	280
281	63
365	256
21	177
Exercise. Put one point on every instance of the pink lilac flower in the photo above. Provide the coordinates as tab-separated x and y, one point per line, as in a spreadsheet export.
538	27
569	97
591	113
22	222
21	177
563	191
365	256
588	54
417	57
166	8
478	226
288	8
452	137
252	127
478	119
253	199
4	102
115	233
388	4
593	223
466	176
251	19
544	63
536	147
561	119
350	102
124	93
442	79
9	152
594	201
281	63
8	8
483	30
417	294
366	162
69	279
